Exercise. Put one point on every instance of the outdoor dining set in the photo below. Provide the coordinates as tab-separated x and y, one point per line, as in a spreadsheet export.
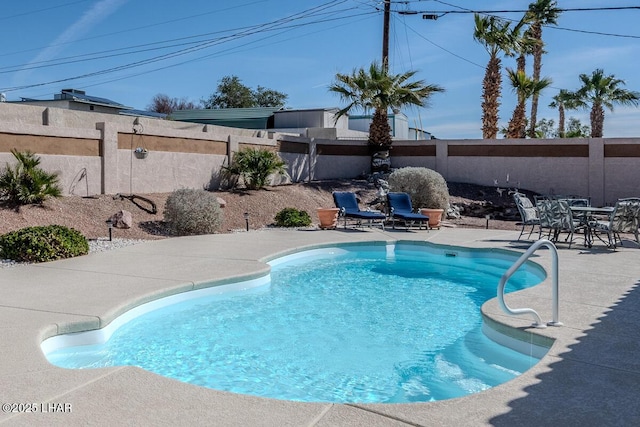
572	216
557	218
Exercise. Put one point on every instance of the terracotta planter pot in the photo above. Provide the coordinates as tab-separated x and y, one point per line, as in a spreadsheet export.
435	216
328	217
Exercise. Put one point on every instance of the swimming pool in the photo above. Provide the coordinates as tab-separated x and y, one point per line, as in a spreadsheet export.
382	323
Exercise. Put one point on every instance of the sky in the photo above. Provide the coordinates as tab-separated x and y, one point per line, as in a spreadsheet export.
131	50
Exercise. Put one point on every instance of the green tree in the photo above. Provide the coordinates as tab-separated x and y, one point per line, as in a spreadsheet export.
599	91
575	129
524	43
546	129
232	93
378	90
269	98
541	13
525	87
496	37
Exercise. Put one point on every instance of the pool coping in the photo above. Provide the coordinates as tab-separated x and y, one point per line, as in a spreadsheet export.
575	383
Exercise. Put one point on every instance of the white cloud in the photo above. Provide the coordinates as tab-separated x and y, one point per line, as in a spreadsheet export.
99	12
622	122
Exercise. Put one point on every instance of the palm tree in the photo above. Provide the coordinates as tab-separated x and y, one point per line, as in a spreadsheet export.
542	12
525	43
564	100
494	34
525	87
601	91
27	183
376	89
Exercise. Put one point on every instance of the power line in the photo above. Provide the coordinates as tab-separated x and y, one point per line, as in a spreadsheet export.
138	28
444	49
598	33
3	18
219	53
461	10
270	26
490	12
282	25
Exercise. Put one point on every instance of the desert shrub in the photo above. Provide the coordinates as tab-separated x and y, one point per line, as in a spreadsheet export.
43	243
254	166
189	211
427	188
292	217
26	183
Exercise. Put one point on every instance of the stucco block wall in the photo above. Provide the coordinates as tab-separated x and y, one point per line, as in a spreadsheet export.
78	175
163	172
569	176
95	151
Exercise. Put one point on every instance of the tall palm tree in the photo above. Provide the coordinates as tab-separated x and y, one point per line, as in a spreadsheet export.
564	100
541	12
599	91
377	89
525	87
524	42
494	34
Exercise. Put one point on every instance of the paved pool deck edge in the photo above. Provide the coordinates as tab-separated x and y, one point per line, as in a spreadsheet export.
589	376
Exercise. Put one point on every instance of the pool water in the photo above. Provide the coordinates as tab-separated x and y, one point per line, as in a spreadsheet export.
338	325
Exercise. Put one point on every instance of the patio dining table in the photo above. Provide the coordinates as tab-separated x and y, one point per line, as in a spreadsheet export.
586	219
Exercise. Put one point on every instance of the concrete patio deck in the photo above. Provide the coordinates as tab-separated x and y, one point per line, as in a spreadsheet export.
589	377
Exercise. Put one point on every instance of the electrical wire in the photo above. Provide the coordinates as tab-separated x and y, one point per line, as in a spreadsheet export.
231	50
4	18
282	25
134	29
270	26
143	47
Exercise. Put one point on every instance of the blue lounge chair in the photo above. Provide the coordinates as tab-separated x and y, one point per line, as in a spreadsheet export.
400	208
348	205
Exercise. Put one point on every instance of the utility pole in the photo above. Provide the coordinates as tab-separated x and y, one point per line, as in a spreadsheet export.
385	35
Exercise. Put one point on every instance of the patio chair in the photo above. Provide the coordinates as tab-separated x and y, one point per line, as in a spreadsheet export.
624	219
528	213
556	216
582	218
348	204
400	207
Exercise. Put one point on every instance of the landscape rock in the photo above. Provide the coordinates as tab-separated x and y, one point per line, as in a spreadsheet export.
122	219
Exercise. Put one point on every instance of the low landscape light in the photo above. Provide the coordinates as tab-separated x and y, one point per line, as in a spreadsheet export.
110	227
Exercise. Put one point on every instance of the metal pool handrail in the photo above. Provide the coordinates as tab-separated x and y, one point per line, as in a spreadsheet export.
554	275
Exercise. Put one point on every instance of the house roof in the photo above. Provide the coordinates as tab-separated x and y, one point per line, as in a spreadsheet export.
295	110
247	118
144	113
80	96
